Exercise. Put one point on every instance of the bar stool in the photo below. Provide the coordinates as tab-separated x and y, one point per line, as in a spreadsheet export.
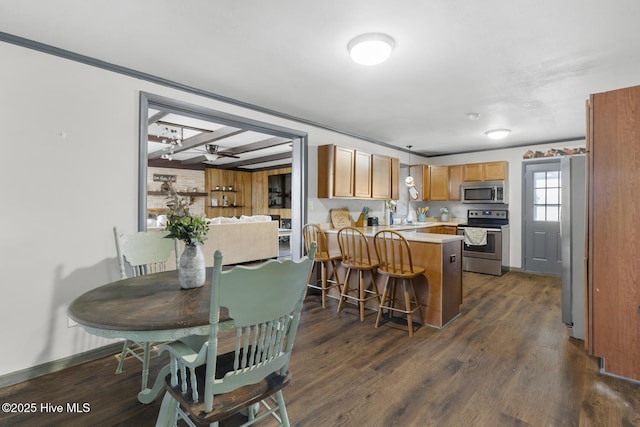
355	256
394	257
313	233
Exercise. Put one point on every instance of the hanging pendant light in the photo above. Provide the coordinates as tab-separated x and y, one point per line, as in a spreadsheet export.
409	182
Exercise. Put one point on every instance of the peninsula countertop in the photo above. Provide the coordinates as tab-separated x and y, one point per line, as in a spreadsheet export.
410	231
439	289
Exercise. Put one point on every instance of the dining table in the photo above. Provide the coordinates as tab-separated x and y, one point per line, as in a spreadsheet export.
148	308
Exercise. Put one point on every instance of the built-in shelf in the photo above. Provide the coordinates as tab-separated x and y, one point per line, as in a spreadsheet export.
225	207
223	191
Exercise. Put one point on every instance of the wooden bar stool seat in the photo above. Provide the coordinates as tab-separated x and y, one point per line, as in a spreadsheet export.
354	247
395	262
323	257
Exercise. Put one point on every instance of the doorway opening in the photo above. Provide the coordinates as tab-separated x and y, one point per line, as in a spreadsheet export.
297	143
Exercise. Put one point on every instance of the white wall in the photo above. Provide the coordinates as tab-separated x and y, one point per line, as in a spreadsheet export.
69	166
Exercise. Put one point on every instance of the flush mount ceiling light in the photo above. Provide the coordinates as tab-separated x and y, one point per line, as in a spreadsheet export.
371	48
497	133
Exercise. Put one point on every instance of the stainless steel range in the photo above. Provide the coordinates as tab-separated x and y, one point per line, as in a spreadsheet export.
486	245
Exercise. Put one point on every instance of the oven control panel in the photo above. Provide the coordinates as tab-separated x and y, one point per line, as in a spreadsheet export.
488	214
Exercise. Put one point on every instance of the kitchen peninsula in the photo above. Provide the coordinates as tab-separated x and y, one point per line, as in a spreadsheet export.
439	289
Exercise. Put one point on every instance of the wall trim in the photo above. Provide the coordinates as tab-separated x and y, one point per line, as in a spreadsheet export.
59	364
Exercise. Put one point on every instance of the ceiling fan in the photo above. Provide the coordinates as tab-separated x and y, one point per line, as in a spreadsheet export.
213	153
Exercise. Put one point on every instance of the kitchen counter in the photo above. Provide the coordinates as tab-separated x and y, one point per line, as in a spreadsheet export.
439	289
412	232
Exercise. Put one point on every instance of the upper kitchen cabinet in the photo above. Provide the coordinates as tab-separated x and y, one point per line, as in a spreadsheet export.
362	178
420	174
439	183
613	290
347	173
432	182
488	171
395	178
455	179
336	166
381	181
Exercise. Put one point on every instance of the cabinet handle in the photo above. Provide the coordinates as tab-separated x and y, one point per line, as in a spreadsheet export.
452	259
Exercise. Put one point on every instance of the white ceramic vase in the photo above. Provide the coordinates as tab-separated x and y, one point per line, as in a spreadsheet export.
444	217
192	271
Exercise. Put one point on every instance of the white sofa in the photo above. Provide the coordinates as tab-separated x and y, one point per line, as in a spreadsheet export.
241	240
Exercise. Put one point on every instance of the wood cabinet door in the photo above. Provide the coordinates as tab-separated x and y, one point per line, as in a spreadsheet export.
362	178
395	178
495	171
472	172
420	174
343	171
381	177
613	243
439	185
455	179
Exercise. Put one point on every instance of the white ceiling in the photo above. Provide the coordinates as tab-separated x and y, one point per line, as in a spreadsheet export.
524	65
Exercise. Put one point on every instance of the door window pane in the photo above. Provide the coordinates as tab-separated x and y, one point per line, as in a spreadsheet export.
547	194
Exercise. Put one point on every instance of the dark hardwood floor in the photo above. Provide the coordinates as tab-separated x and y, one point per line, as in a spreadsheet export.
506	361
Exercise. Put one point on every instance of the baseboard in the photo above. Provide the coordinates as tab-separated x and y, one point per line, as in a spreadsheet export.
58	365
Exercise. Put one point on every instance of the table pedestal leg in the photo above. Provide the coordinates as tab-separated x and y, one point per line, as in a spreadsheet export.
148	395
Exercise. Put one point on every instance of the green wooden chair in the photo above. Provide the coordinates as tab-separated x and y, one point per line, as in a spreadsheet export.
265	302
145	253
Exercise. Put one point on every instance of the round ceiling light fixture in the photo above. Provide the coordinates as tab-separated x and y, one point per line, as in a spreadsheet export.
371	48
497	133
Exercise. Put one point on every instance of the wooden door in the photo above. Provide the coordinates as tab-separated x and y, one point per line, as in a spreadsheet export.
362	177
614	245
455	179
420	174
395	178
343	171
439	185
495	171
381	177
472	172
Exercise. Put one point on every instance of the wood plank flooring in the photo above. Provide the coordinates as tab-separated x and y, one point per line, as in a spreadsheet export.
506	361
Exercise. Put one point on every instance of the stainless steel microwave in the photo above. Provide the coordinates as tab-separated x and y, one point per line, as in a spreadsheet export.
484	192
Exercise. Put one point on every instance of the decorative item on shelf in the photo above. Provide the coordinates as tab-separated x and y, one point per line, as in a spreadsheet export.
422	213
192	230
444	214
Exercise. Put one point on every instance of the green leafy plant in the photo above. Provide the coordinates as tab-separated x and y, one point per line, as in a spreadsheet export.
444	210
181	224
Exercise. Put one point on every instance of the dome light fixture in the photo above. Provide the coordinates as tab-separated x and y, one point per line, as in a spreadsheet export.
497	133
371	48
